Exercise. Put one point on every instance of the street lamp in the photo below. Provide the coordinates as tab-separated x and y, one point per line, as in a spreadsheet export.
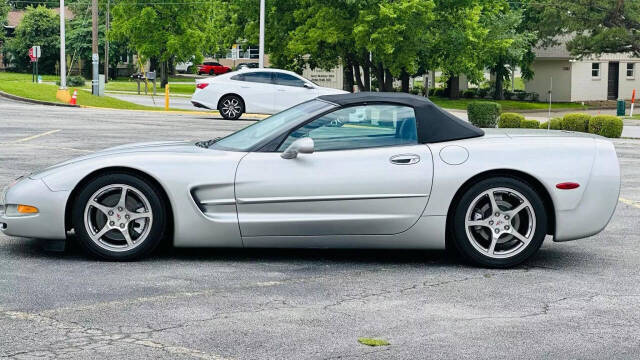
63	58
261	42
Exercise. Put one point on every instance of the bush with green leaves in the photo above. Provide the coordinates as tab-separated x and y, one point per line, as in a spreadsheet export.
510	120
483	114
39	26
556	124
606	125
508	94
576	122
535	96
75	81
521	95
469	93
483	92
530	124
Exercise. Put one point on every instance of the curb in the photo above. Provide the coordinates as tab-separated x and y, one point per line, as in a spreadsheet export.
33	101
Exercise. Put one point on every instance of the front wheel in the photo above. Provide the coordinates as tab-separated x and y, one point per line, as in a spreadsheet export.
119	216
231	107
499	222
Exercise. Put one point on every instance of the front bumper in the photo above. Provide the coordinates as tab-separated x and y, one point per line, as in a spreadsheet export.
48	223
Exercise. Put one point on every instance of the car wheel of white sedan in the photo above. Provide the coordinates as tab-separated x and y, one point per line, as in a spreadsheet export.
231	107
119	217
499	222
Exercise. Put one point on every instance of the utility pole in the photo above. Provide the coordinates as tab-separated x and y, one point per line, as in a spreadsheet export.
106	44
261	44
63	56
94	47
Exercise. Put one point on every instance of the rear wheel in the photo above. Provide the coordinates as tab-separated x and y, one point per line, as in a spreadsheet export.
119	217
211	72
499	222
231	107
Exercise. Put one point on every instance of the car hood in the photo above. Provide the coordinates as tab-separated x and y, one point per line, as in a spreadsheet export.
156	146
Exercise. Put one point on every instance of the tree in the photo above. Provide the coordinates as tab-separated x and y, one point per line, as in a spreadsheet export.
4	10
40	26
596	26
509	45
168	31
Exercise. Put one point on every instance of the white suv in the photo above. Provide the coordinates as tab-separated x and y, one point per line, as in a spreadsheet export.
264	91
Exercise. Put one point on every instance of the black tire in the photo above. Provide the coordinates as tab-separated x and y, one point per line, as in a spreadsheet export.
234	101
211	72
468	247
158	219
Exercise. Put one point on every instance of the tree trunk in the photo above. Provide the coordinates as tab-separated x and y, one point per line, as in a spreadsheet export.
404	78
454	87
380	76
366	69
356	73
347	84
388	81
165	73
498	91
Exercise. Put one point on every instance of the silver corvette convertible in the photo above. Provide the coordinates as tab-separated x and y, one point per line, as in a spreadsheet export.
366	170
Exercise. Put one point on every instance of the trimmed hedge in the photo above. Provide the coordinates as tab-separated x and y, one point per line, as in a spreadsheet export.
606	125
529	124
556	124
576	122
510	120
483	114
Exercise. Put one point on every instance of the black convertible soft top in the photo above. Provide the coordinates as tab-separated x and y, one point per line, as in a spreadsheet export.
433	123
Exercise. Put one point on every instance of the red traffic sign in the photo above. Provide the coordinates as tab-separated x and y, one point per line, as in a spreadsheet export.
34	53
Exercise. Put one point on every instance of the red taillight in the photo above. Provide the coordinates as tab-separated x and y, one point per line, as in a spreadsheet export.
202	85
567	185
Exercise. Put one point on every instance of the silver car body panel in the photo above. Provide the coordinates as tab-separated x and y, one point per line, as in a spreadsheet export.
352	198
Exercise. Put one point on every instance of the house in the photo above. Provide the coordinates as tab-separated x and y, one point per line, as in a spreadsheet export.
596	78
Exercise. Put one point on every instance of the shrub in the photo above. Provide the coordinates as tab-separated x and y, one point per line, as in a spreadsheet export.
508	95
606	125
521	95
483	114
576	122
75	81
556	124
469	93
529	124
483	92
510	120
535	96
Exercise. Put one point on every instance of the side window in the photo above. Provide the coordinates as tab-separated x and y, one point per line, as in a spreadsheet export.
359	127
258	77
215	64
288	80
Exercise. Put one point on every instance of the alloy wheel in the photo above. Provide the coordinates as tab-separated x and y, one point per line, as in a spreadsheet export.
118	217
500	222
231	108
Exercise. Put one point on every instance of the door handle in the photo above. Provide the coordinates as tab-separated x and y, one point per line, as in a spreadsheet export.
405	159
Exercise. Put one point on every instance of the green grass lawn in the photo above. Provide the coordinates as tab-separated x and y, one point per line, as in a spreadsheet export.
21	85
507	105
126	85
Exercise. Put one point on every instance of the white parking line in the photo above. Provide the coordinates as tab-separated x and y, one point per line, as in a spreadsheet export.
630	202
35	136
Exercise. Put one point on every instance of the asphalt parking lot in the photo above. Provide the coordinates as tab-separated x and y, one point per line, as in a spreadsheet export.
579	299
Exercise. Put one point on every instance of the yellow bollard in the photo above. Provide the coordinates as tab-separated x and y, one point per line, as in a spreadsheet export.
166	97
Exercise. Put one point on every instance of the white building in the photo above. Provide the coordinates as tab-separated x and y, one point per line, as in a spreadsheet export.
605	77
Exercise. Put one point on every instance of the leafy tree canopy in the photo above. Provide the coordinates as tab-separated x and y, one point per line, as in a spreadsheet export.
40	26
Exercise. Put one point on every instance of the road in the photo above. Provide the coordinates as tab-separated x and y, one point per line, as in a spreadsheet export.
577	299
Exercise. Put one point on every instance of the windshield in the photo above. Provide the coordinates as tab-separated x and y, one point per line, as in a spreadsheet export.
247	138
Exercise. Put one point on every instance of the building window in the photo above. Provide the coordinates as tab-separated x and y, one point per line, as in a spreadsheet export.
595	70
630	70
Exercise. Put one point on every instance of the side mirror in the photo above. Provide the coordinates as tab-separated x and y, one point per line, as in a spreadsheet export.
308	86
300	146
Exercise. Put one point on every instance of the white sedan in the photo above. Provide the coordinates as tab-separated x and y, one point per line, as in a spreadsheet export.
263	91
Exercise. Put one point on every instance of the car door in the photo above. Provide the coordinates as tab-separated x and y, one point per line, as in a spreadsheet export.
291	90
256	89
367	175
